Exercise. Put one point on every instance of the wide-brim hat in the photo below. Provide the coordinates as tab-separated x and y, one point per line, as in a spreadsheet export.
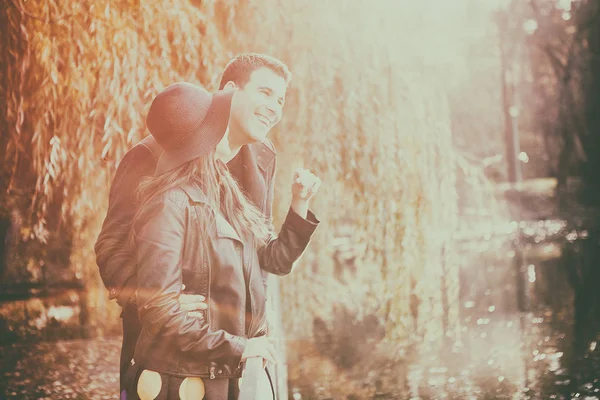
188	122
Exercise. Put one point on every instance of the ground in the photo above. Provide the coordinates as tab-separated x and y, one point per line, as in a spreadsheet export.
75	369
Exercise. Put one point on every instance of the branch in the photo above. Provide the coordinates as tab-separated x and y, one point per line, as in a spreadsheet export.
557	64
581	28
35	17
536	9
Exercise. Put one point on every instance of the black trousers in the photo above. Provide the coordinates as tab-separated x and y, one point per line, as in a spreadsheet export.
131	331
216	389
130	374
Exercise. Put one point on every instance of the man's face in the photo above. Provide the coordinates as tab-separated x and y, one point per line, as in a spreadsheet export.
258	106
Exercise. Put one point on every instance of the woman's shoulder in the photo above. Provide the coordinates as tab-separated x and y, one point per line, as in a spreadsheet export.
176	200
190	191
172	198
181	195
162	209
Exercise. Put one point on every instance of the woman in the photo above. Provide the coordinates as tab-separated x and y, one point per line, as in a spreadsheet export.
195	229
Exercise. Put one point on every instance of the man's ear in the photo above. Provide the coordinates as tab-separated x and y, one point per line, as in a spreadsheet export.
230	86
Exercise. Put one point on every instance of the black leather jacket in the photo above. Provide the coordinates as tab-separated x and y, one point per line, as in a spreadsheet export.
113	255
168	236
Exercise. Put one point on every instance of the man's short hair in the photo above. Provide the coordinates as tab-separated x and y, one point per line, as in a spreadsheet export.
239	69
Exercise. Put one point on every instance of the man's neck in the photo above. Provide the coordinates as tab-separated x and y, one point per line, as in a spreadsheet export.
228	148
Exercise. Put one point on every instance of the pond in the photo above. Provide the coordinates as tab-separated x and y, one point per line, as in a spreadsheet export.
529	324
529	314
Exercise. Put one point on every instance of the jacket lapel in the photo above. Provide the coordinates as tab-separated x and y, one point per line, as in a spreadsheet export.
224	228
256	159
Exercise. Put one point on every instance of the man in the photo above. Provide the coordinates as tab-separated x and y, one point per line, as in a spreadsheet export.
260	83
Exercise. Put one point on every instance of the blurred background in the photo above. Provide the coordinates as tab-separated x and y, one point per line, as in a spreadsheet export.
459	145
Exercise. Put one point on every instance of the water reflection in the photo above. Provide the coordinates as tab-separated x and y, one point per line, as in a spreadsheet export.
529	315
530	320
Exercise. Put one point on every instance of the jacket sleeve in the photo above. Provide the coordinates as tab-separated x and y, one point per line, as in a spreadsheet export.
159	238
281	252
113	255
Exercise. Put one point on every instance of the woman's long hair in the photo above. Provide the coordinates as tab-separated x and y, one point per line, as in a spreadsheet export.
222	192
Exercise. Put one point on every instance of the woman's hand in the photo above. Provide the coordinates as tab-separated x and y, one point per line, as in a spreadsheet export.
194	304
262	347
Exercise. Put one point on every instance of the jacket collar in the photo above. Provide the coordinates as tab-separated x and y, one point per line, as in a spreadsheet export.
261	154
194	192
224	228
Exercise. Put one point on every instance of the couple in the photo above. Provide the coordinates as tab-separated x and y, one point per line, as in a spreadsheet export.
187	244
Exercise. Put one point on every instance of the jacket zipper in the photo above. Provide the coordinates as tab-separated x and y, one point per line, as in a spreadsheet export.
208	319
247	272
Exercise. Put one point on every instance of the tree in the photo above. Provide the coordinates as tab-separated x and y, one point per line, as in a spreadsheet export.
367	111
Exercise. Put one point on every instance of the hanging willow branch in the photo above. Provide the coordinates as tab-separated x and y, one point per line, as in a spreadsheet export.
365	111
370	117
79	80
